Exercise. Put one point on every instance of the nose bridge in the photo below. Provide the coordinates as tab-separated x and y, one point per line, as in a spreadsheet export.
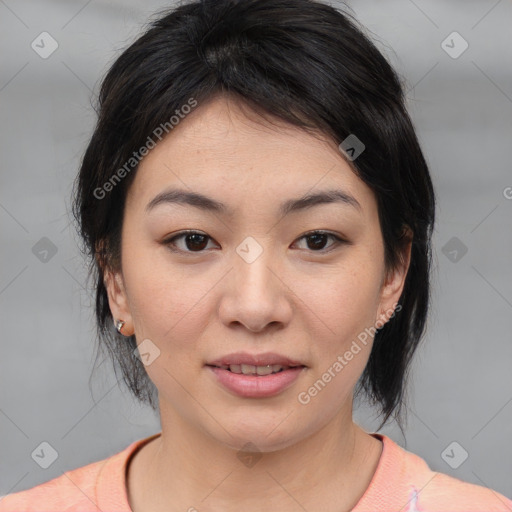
256	297
253	266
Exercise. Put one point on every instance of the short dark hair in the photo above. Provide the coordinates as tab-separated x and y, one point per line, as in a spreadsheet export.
306	63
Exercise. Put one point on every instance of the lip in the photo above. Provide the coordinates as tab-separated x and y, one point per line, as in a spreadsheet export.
256	386
262	359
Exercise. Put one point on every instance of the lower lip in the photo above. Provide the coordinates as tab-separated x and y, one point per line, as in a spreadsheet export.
256	386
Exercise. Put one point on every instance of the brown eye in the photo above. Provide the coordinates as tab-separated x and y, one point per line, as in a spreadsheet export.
194	241
316	240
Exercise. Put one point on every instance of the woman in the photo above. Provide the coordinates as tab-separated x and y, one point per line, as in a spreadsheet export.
258	213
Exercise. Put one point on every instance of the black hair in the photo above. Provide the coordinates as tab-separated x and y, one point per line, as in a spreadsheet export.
303	62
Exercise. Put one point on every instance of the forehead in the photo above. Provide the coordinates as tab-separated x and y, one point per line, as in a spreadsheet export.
224	150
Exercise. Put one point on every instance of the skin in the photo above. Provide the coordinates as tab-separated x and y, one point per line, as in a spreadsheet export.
299	299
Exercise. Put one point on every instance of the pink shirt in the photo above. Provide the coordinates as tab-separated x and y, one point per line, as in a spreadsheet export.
402	482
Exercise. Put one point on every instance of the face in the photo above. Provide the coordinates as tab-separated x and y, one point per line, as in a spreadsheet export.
251	277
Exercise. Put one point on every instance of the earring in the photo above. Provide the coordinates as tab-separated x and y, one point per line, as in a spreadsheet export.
118	324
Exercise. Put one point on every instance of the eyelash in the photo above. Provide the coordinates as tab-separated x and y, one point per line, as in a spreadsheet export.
171	241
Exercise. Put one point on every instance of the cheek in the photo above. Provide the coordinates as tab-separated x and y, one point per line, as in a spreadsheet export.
342	301
166	301
346	302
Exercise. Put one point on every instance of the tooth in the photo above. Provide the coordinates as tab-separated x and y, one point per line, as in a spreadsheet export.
264	370
248	369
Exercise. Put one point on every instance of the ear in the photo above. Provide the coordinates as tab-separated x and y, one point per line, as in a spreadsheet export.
394	281
118	301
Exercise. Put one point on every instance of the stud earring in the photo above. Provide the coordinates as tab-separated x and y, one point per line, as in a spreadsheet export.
119	325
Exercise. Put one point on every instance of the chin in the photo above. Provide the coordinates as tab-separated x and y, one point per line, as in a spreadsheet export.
260	436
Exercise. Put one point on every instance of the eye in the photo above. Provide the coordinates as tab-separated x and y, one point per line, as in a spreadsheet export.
317	239
195	241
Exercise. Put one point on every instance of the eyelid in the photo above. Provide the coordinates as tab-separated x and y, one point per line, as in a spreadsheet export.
168	242
339	240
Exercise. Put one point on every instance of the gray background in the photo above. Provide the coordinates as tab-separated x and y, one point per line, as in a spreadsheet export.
461	388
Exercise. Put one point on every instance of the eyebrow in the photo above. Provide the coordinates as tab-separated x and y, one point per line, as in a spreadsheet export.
205	203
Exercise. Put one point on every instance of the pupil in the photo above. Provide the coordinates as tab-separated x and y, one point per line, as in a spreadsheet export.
195	241
315	237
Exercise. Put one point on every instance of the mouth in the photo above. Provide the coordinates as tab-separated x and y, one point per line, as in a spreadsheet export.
260	375
261	371
251	381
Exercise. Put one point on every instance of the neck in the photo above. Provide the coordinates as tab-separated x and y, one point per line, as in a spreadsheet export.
329	470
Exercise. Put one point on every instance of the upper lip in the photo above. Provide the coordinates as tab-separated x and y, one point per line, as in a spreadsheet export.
263	359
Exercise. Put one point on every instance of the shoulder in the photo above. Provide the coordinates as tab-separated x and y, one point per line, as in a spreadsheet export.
95	487
403	480
457	495
75	488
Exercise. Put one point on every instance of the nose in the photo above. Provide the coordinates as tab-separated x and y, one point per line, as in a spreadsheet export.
256	295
